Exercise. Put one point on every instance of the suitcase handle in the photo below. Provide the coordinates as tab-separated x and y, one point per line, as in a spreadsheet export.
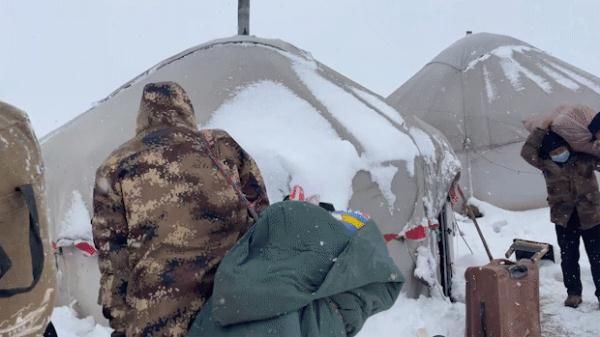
482	320
518	271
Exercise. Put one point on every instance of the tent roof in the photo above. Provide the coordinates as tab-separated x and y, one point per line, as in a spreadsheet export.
479	89
471	48
247	85
276	44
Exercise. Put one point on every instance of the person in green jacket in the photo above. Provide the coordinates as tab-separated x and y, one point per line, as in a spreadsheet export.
301	271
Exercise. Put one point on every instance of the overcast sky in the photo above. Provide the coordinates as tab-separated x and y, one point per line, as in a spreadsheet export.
60	56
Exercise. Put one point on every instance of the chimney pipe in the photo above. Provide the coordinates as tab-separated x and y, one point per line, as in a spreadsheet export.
243	17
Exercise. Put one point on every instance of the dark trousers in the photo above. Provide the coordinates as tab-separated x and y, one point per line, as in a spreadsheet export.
568	240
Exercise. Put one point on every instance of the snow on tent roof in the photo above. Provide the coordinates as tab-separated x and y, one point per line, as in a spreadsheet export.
477	92
303	122
281	104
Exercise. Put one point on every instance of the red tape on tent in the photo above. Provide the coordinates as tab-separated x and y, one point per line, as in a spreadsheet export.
86	247
415	234
297	193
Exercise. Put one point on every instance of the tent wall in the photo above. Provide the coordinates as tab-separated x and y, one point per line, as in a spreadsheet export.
502	177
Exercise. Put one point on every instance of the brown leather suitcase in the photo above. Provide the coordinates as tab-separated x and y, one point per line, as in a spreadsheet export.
503	300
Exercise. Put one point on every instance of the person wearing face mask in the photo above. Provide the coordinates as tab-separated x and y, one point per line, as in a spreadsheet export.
574	201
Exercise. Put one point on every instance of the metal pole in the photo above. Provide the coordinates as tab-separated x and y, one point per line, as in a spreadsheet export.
470	214
243	17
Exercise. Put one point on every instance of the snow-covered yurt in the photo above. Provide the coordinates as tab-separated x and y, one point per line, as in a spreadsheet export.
477	92
304	123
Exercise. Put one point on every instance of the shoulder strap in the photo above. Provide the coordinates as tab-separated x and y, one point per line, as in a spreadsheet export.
236	186
35	243
5	262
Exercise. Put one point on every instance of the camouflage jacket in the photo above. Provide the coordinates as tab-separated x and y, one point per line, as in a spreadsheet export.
571	186
27	273
164	216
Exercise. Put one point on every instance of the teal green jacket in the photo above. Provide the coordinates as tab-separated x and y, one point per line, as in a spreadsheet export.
299	272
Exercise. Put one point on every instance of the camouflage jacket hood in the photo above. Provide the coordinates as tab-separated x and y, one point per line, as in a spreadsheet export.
164	216
165	104
11	115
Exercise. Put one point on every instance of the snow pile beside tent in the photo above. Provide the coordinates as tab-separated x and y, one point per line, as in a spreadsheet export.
293	144
67	324
426	270
76	223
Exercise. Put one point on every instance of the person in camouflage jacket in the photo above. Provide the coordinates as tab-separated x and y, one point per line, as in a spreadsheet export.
164	216
574	202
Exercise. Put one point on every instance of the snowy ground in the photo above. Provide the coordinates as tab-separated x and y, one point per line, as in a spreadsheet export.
440	317
68	325
499	227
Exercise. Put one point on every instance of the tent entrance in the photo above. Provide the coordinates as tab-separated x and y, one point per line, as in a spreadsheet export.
445	248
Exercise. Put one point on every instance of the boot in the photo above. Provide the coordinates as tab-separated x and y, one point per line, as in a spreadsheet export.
573	301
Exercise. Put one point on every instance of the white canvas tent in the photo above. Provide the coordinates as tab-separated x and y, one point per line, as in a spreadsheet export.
477	92
304	124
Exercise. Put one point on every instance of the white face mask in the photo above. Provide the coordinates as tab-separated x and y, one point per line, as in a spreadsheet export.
563	157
